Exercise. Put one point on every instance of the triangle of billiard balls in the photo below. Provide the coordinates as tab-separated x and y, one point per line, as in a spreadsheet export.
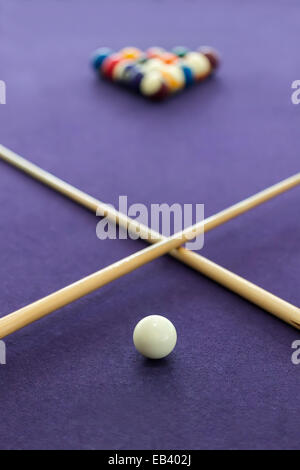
155	73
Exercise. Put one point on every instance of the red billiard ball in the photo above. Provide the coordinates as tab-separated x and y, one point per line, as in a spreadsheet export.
109	64
162	93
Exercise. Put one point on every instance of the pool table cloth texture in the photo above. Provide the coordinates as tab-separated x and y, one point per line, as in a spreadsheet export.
73	380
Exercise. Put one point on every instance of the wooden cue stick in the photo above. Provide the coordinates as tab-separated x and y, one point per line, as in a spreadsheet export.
255	294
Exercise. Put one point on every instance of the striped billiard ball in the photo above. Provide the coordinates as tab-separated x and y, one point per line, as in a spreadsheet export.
119	69
199	64
174	77
151	83
153	64
188	75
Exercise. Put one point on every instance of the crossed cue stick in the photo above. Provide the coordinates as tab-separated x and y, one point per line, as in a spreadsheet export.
161	245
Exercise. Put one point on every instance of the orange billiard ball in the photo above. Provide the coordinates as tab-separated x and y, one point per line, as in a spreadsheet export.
169	58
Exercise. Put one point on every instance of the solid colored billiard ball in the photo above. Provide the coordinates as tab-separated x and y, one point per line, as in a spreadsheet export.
162	93
132	76
109	64
212	56
99	56
135	78
199	64
180	51
136	81
127	73
169	58
155	337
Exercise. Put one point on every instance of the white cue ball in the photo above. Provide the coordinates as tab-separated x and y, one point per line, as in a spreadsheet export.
155	337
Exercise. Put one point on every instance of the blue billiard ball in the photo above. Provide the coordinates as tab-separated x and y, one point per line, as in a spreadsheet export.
136	80
188	75
127	74
132	77
99	56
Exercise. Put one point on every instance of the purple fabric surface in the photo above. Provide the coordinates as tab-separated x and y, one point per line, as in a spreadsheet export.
73	380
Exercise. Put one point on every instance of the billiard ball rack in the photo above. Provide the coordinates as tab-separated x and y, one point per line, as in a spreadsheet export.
172	245
155	73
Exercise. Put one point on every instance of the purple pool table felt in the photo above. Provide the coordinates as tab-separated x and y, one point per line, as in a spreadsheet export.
73	380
